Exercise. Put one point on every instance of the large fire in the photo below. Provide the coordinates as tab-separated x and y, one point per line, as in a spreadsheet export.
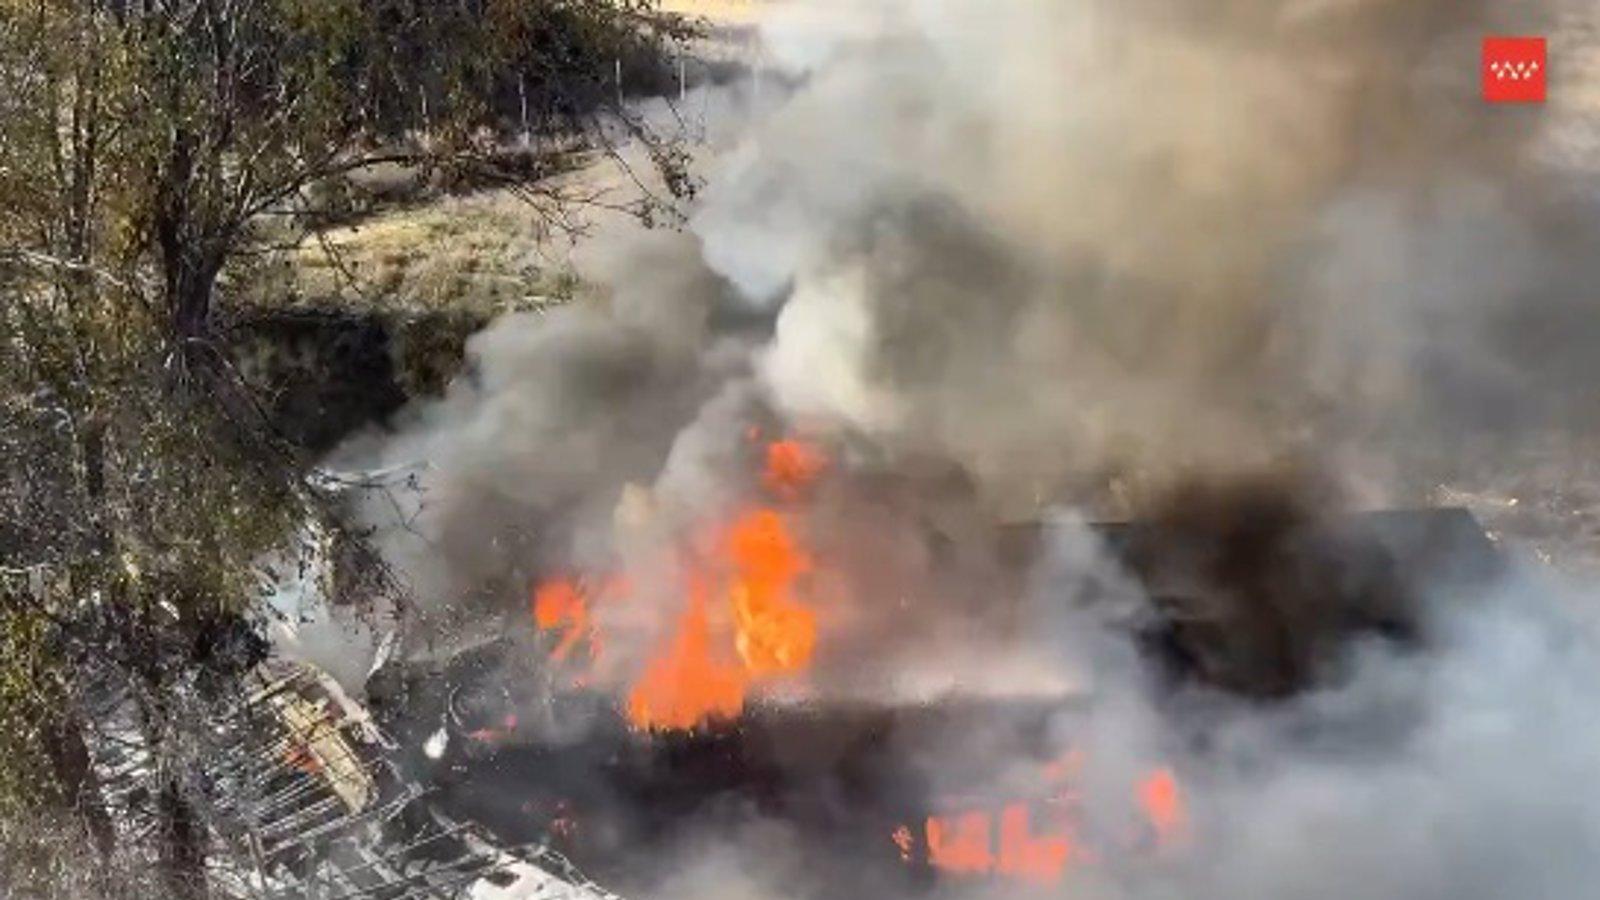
744	621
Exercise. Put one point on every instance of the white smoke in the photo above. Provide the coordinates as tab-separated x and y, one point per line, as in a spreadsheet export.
1466	772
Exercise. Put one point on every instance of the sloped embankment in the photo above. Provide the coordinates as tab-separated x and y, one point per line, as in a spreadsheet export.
324	372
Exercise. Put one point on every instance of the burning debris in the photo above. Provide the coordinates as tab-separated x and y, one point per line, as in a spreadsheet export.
1248	592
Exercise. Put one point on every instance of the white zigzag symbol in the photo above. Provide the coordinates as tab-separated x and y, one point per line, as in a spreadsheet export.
1515	71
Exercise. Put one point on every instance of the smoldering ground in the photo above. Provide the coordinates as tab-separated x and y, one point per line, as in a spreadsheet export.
1075	254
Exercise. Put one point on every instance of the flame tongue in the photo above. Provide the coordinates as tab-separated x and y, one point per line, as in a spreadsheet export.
792	465
687	685
775	633
1163	805
557	605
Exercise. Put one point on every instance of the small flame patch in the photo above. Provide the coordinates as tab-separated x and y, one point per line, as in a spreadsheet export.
1038	842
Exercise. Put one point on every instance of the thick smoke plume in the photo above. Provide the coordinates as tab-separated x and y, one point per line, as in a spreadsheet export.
1003	257
1071	252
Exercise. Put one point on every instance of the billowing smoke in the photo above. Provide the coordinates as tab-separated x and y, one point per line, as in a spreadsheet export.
1090	236
1462	771
1006	257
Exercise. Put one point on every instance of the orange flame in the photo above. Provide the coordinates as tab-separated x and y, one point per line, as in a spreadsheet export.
1162	803
775	634
960	844
1038	858
964	844
687	685
564	605
792	465
559	604
743	622
494	735
967	842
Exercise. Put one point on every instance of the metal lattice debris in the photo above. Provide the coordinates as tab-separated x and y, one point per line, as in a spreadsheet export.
297	796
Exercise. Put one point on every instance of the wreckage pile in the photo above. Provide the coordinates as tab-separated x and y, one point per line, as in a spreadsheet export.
275	785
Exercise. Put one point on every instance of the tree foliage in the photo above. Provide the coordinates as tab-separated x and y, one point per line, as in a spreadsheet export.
144	147
194	118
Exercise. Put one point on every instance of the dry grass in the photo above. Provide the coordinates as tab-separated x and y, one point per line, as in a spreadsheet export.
487	253
484	253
